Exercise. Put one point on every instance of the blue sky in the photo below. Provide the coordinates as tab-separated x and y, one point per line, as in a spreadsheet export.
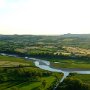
44	16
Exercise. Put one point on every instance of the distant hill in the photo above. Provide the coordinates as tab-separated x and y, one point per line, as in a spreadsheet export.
75	40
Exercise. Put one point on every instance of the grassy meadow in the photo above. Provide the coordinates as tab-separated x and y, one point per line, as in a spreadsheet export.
70	63
8	61
85	78
15	75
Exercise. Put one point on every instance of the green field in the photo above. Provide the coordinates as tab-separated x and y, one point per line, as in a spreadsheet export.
85	78
9	61
36	85
60	63
69	63
15	75
75	82
27	79
63	51
70	50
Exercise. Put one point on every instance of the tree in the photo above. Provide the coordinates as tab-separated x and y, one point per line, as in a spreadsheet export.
72	84
43	83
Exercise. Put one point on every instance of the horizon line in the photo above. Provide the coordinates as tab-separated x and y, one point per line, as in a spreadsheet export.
50	34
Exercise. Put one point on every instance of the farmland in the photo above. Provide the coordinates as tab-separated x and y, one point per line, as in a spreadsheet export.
19	74
69	51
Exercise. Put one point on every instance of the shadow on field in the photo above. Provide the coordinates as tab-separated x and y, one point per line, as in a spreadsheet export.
36	88
13	84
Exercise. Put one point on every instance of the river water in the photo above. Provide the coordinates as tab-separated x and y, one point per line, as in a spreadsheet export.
43	64
46	66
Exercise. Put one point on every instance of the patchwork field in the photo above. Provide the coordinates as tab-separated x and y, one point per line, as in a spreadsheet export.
15	75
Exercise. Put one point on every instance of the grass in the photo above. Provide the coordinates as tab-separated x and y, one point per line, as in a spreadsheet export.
27	85
70	63
14	61
31	85
72	66
38	85
85	78
24	85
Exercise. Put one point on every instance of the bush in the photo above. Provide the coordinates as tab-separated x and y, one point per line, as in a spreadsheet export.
72	84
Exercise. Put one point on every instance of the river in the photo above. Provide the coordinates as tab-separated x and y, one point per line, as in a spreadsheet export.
43	64
46	66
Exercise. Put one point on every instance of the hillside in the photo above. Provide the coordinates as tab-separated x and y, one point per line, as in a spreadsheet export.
74	48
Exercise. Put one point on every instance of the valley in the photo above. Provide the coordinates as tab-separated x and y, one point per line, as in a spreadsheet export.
44	62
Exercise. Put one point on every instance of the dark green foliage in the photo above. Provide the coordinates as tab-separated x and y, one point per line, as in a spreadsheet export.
73	84
22	74
44	83
72	74
44	46
23	78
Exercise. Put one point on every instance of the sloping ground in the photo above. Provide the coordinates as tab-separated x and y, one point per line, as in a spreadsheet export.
13	77
35	85
27	78
85	78
75	82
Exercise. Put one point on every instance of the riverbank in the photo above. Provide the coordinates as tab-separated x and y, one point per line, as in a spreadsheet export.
75	81
20	73
69	63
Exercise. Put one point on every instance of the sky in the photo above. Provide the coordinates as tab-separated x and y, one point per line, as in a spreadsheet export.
44	17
